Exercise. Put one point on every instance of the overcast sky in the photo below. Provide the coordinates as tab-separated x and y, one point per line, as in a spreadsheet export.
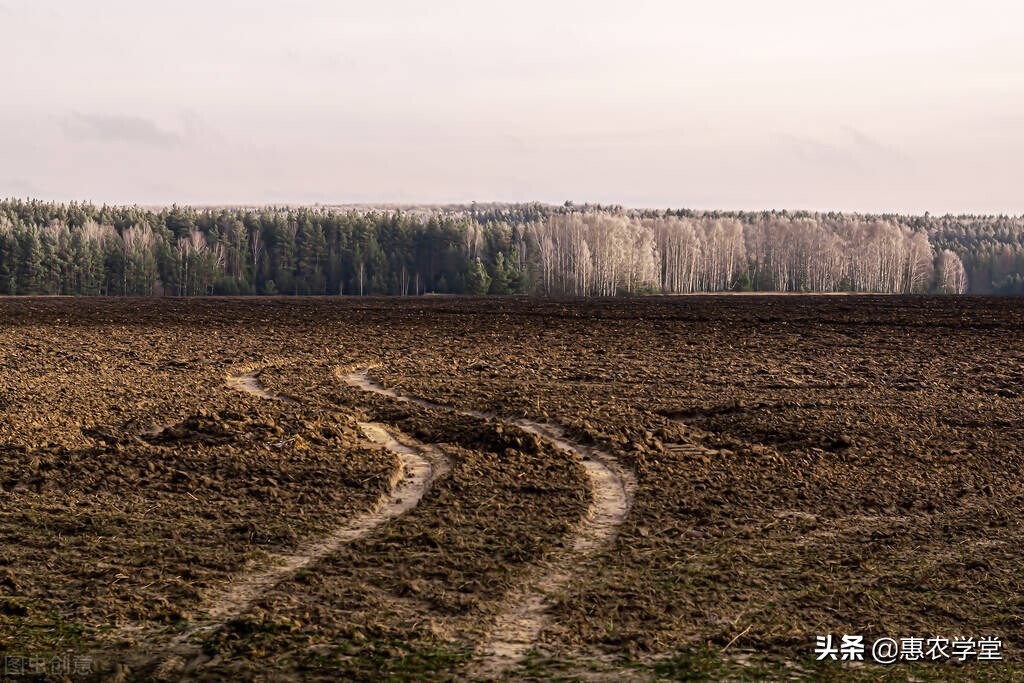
871	105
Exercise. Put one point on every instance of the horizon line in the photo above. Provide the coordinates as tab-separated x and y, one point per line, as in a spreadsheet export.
467	204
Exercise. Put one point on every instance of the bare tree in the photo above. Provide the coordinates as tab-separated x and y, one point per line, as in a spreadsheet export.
952	278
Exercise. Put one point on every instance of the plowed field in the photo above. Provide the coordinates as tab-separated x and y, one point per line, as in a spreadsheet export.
479	489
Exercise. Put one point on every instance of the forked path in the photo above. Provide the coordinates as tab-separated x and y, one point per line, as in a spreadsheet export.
612	486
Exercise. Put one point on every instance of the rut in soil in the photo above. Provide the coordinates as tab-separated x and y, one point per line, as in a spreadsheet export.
612	486
419	466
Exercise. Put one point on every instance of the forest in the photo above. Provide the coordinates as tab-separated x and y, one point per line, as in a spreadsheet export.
570	250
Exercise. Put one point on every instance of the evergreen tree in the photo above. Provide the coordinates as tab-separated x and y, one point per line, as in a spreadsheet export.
477	279
312	245
501	276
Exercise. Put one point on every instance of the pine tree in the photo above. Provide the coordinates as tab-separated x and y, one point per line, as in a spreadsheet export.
312	245
500	276
477	279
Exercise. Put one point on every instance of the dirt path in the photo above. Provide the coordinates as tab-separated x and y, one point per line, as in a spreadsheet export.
419	465
248	381
612	486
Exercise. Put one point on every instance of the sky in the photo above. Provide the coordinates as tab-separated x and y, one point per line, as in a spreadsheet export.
903	105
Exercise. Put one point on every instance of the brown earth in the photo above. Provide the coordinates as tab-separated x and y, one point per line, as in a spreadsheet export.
804	466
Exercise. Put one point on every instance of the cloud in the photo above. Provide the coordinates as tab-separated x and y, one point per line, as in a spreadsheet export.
851	150
822	154
196	131
18	187
869	144
113	128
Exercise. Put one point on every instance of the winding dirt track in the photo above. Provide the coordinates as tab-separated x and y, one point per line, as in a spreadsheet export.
517	629
419	466
406	487
612	486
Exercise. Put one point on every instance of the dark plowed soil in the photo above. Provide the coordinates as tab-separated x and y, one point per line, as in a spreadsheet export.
804	466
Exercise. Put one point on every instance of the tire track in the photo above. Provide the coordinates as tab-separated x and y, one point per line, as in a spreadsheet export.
248	381
612	487
418	468
419	465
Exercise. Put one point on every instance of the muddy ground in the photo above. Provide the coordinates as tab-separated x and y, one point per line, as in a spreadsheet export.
802	466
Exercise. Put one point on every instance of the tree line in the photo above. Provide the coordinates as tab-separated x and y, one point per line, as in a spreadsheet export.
570	250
